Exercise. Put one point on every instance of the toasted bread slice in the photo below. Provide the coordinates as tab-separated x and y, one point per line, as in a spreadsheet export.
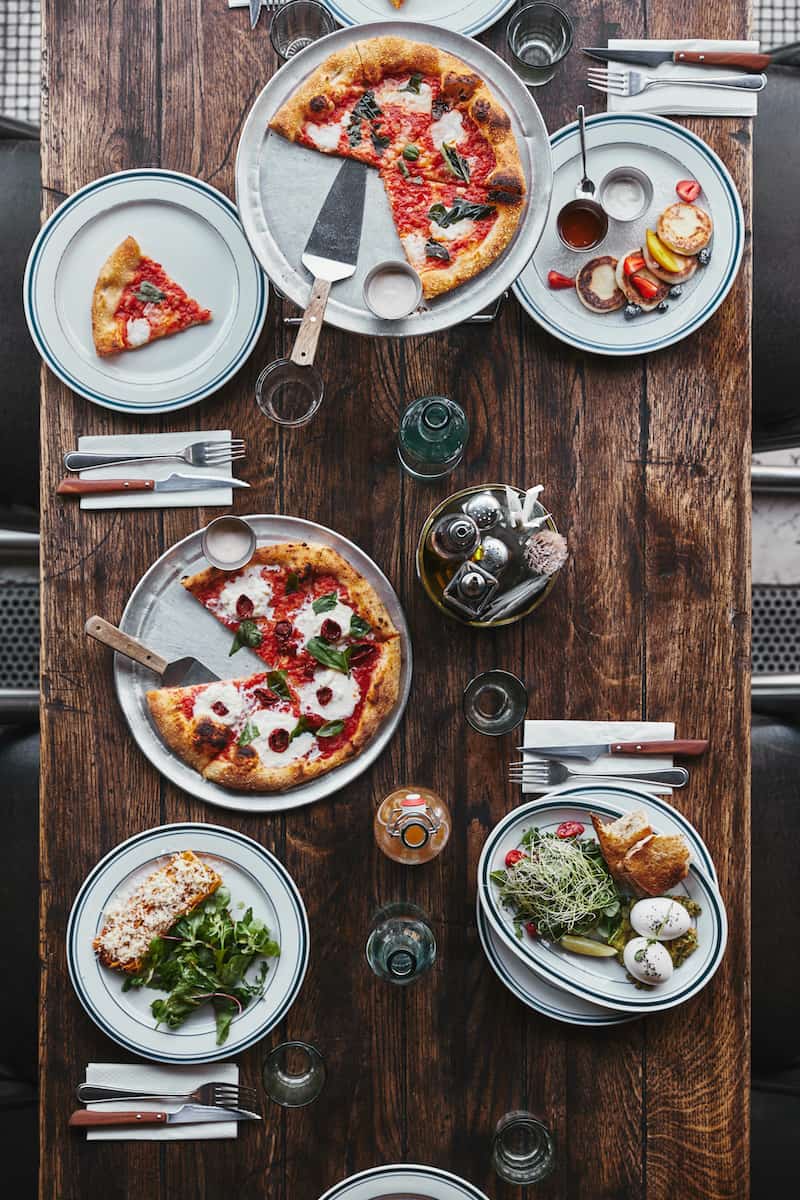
597	287
617	837
654	865
629	291
684	228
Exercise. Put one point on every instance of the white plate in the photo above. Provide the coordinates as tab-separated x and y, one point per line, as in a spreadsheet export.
523	982
602	981
461	16
666	152
406	1181
194	232
164	616
253	877
281	186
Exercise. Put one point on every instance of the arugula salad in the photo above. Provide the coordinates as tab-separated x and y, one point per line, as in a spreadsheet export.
204	959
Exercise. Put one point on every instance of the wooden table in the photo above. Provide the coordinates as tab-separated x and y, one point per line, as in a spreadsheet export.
646	464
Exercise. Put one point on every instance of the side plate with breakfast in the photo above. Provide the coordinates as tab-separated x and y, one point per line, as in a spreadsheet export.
468	17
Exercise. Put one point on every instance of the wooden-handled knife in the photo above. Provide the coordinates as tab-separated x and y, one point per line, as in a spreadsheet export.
695	58
174	483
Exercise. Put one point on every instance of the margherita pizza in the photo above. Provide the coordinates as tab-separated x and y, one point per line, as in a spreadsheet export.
334	671
442	142
136	302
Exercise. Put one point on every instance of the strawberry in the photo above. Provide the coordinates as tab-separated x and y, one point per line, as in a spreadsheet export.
688	190
633	263
557	281
647	288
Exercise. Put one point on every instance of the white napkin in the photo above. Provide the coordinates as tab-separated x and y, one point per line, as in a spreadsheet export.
686	101
153	1078
588	733
156	443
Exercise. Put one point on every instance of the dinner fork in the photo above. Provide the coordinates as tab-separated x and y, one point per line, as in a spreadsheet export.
620	82
211	1095
199	454
551	774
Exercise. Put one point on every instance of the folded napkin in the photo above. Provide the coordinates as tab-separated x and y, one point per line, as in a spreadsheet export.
156	443
587	733
680	101
153	1078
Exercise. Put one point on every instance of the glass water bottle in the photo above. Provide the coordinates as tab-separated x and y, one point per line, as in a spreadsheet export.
433	434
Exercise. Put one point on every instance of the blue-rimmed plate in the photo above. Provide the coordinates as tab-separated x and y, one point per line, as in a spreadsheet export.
521	980
469	17
406	1181
254	878
667	153
602	981
194	231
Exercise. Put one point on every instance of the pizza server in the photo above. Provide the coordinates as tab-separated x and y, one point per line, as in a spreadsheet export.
290	390
183	672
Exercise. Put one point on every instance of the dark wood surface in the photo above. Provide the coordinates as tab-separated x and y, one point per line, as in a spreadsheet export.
646	467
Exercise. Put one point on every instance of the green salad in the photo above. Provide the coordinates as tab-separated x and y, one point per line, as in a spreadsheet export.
204	959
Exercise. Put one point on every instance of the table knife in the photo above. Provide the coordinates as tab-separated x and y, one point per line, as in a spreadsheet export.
696	58
174	483
183	672
691	749
188	1114
255	12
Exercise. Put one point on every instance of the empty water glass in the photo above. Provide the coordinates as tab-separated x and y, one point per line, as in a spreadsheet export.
539	37
495	702
522	1149
294	1074
297	24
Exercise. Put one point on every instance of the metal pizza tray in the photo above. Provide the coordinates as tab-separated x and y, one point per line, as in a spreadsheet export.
165	617
280	188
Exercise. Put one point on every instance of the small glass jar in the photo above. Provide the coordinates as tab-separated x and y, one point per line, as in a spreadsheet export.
412	825
432	436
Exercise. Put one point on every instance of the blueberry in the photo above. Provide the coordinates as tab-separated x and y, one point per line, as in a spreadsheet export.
631	311
704	257
676	291
662	307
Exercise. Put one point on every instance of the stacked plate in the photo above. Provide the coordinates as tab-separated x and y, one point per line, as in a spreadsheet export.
574	988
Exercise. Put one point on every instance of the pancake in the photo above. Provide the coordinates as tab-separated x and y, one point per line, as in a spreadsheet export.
597	287
685	228
630	292
688	267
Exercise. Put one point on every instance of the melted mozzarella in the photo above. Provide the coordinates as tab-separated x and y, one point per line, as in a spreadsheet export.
342	704
324	137
414	245
137	331
421	101
462	228
268	719
220	693
252	584
448	128
310	623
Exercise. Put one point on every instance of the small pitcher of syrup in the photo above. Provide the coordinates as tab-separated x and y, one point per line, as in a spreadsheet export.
582	223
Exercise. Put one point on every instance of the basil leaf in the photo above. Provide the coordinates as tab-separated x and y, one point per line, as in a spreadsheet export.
292	583
456	163
248	634
354	131
359	627
338	660
439	108
403	169
438	213
148	293
330	729
413	84
436	250
379	141
302	726
325	603
461	210
276	681
367	107
411	152
248	734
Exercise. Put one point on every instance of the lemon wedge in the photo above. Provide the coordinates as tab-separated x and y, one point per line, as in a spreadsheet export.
583	945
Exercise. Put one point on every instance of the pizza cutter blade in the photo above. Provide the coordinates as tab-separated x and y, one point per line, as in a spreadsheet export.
183	672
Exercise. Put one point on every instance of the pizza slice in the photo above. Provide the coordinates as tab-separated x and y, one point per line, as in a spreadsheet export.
135	302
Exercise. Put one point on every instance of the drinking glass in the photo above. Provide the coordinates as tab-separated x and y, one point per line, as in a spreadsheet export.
539	37
293	1074
401	945
522	1149
495	702
289	394
432	436
297	24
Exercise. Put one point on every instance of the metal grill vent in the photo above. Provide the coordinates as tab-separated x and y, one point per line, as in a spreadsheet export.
776	628
19	634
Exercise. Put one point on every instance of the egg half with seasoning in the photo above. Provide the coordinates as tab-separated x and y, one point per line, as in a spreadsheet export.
661	918
647	961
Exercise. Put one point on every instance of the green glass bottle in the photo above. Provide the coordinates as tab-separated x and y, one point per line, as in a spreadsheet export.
433	433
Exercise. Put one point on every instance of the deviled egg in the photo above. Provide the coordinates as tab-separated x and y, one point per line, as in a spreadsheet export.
647	961
659	917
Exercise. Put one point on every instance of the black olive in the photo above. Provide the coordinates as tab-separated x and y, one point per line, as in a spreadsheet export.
704	257
676	291
631	311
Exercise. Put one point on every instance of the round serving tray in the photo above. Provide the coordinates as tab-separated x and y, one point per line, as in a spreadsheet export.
165	617
280	188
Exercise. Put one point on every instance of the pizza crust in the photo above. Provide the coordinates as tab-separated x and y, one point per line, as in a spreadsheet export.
322	91
471	260
115	274
197	743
